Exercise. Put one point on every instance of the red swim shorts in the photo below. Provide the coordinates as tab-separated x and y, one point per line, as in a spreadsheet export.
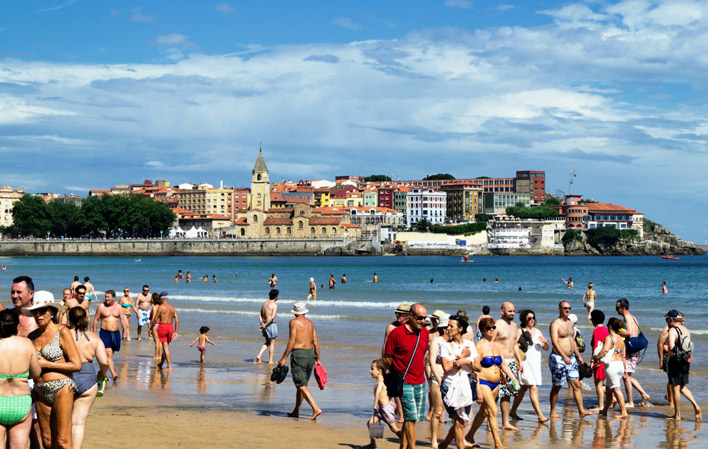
165	331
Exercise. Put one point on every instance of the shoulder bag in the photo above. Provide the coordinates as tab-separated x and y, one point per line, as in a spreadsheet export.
636	344
394	380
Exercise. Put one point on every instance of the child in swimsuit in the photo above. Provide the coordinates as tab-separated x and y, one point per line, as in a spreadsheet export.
383	408
203	339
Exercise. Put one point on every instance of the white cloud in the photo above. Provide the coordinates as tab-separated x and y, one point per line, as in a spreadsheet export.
345	22
138	16
458	3
225	8
57	7
171	39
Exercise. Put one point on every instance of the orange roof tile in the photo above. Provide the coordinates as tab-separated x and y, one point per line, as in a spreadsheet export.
608	208
277	221
325	220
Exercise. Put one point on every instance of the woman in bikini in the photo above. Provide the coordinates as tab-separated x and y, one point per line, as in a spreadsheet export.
58	357
489	378
127	305
89	346
435	377
18	363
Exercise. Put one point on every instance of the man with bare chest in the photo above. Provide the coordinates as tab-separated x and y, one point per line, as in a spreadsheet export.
563	360
79	301
268	326
507	339
112	319
22	293
144	304
164	316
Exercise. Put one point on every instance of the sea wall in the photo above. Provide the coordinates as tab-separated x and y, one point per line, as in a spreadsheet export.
192	247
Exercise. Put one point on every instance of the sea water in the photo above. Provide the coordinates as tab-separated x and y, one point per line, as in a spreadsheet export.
351	318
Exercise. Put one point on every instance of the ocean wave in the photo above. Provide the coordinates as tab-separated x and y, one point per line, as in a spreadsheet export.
693	331
314	316
324	302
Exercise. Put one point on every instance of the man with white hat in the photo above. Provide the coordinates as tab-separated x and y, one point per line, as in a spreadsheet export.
304	351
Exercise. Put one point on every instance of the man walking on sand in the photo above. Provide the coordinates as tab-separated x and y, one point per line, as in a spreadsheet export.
166	331
632	326
79	301
111	316
164	316
143	302
268	326
563	360
507	339
304	351
679	364
407	344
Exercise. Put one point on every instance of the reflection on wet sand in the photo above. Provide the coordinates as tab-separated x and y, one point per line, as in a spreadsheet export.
677	437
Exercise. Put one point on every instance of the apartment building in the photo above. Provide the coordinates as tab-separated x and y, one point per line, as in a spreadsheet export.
426	204
464	200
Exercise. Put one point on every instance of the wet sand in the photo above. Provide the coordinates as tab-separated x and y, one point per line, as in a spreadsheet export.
231	402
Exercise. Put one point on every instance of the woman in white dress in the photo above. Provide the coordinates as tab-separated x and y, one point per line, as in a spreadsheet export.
530	377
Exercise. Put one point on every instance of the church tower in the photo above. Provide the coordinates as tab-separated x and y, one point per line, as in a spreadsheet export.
260	186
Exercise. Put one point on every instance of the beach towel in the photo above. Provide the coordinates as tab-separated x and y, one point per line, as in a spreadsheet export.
320	376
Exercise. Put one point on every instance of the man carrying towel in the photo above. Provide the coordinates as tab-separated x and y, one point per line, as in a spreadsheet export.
304	353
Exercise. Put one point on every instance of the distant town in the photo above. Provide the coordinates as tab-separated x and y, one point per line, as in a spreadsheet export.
373	207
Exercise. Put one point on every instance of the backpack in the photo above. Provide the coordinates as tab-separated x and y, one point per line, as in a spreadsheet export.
684	346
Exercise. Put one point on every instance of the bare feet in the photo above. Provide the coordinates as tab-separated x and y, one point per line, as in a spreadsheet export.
628	405
316	413
510	427
516	417
543	419
442	420
371	445
294	414
469	445
699	416
623	415
554	415
258	360
585	413
645	399
429	415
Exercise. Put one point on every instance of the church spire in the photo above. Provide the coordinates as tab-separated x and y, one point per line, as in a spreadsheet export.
260	163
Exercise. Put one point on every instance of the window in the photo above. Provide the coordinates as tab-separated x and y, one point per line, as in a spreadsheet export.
290	231
323	231
267	230
243	232
277	231
334	231
312	231
300	225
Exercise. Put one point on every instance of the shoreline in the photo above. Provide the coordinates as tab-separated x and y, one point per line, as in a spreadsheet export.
268	247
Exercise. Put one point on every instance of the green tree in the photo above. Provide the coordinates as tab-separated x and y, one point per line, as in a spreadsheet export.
378	178
537	212
605	236
64	218
552	202
483	218
467	229
439	177
572	234
422	225
30	216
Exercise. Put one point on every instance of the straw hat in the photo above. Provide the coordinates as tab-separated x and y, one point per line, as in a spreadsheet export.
403	308
437	314
42	298
444	319
299	308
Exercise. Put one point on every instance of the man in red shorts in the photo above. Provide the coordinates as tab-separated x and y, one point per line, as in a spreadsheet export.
165	331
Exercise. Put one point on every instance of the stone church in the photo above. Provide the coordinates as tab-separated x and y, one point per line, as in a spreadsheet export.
297	220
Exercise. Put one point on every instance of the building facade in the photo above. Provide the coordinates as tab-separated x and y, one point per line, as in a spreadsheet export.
533	183
464	201
8	197
426	204
496	203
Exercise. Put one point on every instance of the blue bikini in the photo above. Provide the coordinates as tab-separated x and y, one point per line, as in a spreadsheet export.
488	362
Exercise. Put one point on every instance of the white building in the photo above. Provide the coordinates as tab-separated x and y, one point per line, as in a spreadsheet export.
8	196
428	204
509	237
495	203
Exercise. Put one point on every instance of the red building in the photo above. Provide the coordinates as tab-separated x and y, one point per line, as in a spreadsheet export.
386	196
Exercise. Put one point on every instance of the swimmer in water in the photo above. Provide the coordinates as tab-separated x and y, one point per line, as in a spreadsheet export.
313	290
496	281
664	290
589	299
375	279
569	282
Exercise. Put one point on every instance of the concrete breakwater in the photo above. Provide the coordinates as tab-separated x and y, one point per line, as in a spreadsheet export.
191	247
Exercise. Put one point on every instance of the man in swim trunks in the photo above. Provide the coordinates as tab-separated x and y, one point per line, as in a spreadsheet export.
143	301
79	301
563	360
111	316
507	339
90	291
304	350
679	367
272	281
401	350
164	316
331	281
632	326
313	290
268	326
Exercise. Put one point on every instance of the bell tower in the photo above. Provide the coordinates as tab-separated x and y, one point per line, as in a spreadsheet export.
260	186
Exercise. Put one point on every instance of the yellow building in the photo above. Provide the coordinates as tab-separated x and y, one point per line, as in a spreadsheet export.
8	196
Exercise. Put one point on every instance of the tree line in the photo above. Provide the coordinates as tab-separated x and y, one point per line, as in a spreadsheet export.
106	215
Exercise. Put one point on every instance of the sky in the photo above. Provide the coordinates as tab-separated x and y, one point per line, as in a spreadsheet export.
99	93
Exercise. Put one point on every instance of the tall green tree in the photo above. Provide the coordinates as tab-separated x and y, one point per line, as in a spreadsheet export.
440	177
378	178
30	217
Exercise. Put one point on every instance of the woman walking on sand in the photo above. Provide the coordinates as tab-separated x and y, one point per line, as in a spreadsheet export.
530	377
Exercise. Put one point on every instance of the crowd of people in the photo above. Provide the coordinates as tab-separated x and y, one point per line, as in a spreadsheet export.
48	380
490	361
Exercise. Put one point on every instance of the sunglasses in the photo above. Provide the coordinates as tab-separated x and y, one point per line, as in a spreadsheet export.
490	328
126	291
531	318
565	308
421	317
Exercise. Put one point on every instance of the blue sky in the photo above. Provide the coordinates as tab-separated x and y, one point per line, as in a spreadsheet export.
97	93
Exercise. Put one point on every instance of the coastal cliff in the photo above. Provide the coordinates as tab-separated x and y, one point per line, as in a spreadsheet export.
658	240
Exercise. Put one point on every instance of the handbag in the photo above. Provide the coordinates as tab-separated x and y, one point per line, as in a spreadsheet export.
394	380
579	341
607	358
636	344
